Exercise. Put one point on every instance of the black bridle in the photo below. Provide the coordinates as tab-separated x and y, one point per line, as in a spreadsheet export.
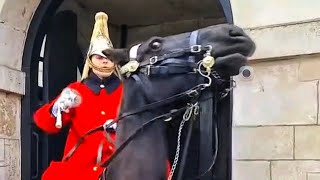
167	64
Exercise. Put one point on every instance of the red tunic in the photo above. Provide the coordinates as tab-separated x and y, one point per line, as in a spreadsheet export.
98	105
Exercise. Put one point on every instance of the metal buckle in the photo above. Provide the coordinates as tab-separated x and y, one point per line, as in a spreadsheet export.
195	48
148	70
208	47
153	60
196	109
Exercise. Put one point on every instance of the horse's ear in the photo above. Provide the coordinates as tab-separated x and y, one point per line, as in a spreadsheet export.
118	56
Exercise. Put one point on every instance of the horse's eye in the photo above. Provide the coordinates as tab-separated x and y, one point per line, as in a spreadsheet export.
156	45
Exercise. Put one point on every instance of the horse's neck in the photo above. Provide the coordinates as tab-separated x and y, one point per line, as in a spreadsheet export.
149	146
135	97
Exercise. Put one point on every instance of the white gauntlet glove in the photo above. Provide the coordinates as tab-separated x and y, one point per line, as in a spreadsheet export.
68	99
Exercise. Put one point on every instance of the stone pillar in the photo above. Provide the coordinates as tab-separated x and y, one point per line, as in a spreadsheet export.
276	133
15	16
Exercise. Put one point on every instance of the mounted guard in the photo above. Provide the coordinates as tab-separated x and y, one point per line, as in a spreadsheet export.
83	106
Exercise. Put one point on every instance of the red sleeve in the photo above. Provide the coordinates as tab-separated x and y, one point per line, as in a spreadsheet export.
46	121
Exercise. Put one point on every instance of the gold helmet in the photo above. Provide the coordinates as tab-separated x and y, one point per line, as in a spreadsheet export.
100	41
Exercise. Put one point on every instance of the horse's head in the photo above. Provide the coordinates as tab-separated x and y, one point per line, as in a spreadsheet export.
167	65
164	68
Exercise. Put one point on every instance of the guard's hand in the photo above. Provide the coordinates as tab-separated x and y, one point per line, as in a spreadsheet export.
68	99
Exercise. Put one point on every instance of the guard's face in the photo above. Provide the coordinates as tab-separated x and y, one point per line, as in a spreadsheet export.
102	62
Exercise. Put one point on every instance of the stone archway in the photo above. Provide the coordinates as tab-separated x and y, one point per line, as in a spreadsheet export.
33	143
15	17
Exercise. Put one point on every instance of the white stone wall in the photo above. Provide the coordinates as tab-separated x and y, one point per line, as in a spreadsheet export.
15	16
276	130
276	133
257	14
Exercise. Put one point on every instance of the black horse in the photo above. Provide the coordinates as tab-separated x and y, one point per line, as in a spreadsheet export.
163	78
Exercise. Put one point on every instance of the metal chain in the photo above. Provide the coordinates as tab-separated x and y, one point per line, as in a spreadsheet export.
216	75
226	91
176	157
192	109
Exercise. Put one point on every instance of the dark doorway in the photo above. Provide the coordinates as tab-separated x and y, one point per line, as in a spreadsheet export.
49	31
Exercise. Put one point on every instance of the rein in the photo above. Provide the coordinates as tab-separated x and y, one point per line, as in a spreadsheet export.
165	117
189	93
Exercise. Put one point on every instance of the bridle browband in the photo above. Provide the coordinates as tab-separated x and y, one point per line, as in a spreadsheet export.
157	64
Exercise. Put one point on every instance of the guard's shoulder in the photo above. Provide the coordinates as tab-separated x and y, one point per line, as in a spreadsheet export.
75	85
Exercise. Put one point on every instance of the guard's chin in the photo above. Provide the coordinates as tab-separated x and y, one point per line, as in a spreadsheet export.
103	74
